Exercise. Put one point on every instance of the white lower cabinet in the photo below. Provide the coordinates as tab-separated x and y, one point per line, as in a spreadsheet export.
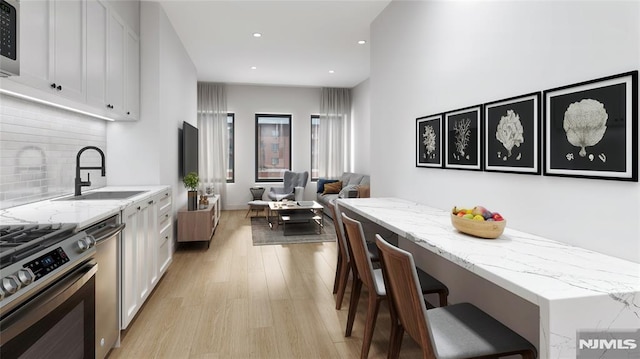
146	250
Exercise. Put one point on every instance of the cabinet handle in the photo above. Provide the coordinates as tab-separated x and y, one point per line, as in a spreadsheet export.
109	106
53	85
59	88
138	208
150	202
166	194
128	113
166	215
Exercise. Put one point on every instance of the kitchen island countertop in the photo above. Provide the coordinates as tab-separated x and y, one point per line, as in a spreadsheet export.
574	288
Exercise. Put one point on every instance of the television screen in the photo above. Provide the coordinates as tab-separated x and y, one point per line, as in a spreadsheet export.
189	148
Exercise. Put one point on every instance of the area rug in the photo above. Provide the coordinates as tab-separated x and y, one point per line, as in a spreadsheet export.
263	235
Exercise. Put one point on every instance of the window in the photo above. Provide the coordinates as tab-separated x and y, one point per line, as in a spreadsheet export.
273	147
315	121
230	133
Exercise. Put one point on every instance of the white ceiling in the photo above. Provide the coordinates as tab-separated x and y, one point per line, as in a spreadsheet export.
301	40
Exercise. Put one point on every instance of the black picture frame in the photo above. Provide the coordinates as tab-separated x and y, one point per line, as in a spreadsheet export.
429	141
512	134
463	138
605	147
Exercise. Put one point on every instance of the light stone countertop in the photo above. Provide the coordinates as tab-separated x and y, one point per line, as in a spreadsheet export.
81	212
602	291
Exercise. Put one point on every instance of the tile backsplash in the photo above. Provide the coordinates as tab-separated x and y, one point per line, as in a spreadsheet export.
38	148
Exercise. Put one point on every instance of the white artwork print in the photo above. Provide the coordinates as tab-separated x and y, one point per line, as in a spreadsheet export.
429	141
585	123
510	132
463	135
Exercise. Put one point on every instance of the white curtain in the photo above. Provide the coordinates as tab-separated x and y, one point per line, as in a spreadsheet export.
334	132
214	144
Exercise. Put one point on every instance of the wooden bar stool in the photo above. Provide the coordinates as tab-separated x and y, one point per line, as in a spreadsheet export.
366	275
455	331
344	265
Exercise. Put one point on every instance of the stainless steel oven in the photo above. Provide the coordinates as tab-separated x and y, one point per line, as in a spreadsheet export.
47	292
9	38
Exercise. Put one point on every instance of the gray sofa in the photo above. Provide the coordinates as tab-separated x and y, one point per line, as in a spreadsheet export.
354	185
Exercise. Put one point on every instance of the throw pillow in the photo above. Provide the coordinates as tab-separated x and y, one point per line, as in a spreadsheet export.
364	191
322	182
333	187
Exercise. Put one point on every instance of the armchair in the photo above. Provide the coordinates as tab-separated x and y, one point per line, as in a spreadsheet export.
294	183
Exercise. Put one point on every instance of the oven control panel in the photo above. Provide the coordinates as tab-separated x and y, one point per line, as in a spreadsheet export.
47	262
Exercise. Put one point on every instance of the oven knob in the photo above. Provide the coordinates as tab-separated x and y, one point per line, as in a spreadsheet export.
84	244
26	276
92	241
10	284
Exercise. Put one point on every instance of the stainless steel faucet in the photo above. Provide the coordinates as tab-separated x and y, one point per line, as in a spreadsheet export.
79	182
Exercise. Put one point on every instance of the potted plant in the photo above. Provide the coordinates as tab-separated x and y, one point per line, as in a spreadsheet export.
191	181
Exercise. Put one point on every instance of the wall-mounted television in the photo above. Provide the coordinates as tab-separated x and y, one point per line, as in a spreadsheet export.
189	149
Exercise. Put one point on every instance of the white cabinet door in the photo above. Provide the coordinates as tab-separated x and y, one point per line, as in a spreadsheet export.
35	36
142	261
165	229
115	64
152	243
68	49
97	15
142	241
52	57
129	266
132	75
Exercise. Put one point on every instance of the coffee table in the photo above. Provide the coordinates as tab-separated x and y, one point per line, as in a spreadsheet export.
295	212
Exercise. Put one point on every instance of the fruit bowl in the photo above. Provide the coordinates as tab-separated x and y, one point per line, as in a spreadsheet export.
482	229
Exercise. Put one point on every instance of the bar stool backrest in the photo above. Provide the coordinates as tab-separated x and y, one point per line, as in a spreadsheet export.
403	289
355	236
341	236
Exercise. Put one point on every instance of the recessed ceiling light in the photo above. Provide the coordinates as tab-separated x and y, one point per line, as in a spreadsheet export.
361	42
253	67
331	71
257	34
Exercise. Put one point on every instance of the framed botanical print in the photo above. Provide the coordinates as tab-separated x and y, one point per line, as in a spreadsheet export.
429	141
591	129
512	134
463	140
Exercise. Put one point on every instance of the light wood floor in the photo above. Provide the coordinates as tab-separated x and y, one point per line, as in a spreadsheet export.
235	300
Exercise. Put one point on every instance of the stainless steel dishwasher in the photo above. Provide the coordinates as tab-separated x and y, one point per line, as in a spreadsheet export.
106	235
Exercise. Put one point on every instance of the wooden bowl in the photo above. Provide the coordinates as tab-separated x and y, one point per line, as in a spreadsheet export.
482	229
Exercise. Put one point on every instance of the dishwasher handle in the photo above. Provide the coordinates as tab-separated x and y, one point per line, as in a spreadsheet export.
108	232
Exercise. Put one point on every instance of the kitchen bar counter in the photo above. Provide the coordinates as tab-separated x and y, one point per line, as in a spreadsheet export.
81	212
574	288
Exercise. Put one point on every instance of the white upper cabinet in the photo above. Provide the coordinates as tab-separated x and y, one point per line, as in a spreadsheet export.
79	54
52	47
115	64
69	48
132	76
35	36
97	15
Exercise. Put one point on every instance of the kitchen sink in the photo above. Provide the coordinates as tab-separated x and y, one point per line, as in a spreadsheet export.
105	195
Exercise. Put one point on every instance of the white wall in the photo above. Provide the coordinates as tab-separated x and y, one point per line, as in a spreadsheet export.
431	57
247	100
361	122
146	152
